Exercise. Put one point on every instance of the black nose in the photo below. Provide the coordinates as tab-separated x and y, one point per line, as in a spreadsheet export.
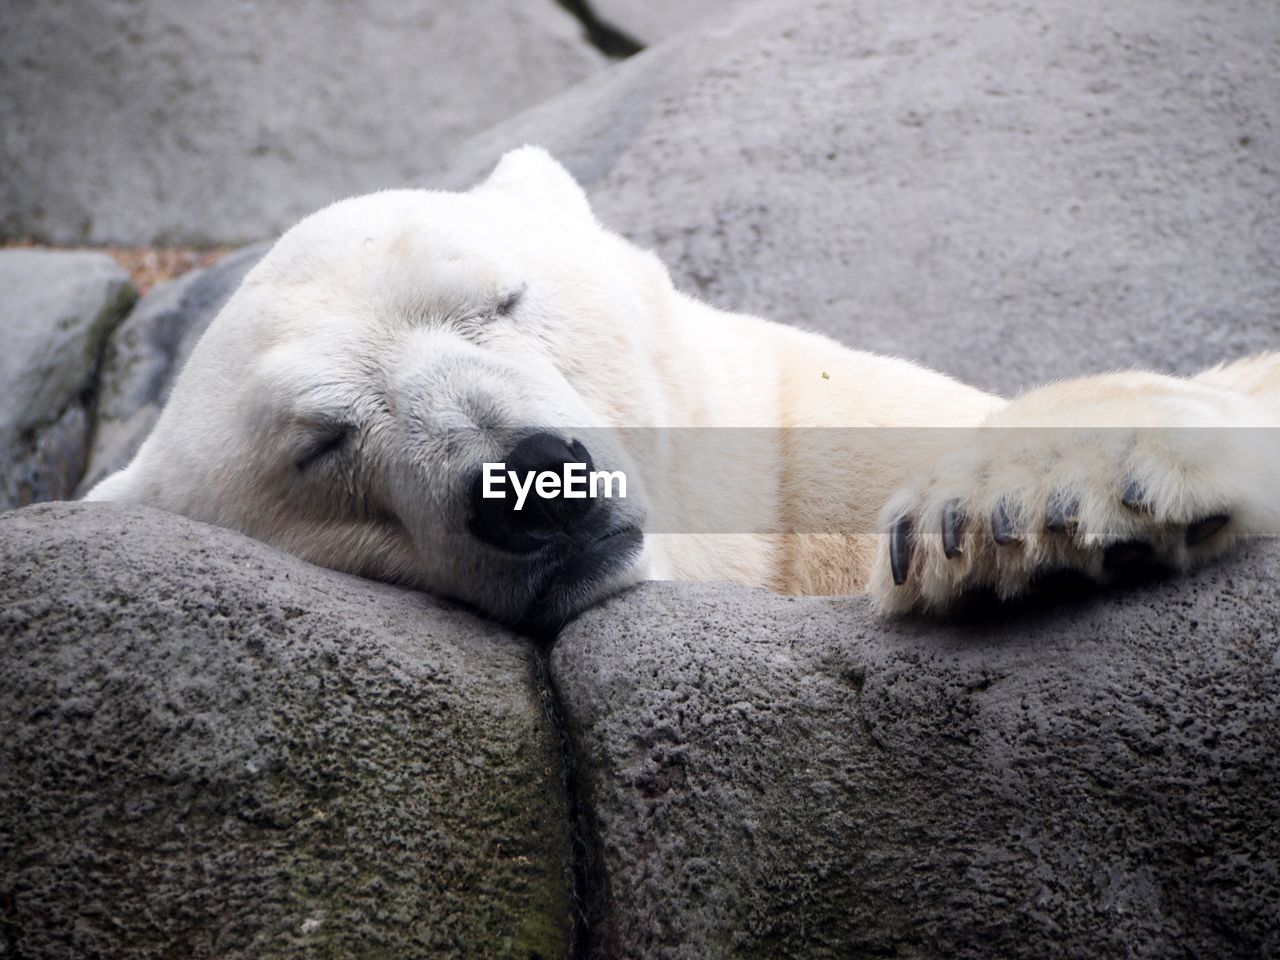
497	522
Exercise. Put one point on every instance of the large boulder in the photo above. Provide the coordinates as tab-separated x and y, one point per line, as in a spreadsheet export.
56	310
191	122
1005	191
779	777
212	749
147	352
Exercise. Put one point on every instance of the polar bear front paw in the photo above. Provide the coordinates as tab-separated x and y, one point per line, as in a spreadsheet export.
1034	491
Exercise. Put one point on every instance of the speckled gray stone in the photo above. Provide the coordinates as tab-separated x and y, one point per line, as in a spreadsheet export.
1092	777
56	309
212	749
146	353
177	121
1005	191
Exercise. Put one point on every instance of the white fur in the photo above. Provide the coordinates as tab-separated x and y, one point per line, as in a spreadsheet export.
382	312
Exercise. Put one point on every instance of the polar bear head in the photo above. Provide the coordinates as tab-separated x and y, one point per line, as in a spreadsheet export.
343	402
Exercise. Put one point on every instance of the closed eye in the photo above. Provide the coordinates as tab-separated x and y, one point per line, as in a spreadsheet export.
324	444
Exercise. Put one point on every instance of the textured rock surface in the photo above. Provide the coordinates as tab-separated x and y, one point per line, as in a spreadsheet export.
55	311
1005	191
775	777
211	749
191	122
146	353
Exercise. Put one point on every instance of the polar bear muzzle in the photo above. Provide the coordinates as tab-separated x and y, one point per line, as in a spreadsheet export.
574	545
523	520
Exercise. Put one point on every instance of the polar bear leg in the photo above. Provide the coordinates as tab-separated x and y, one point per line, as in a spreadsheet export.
1257	376
1092	475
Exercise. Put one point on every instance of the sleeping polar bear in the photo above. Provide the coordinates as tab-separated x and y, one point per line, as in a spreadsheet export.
342	404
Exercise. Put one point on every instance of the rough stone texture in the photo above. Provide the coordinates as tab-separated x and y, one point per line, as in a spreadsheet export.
212	749
649	21
1005	191
192	122
56	308
146	353
775	777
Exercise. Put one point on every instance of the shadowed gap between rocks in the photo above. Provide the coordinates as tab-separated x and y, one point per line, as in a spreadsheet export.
61	444
587	862
92	391
602	35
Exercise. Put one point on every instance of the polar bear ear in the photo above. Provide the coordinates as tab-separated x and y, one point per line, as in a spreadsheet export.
533	174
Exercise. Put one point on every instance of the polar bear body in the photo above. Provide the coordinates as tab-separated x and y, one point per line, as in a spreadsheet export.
341	402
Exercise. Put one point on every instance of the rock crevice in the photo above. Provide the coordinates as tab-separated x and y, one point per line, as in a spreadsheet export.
589	880
604	36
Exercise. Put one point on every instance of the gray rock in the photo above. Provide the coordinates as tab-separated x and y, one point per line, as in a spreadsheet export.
779	777
211	749
1004	191
649	21
56	309
145	354
189	122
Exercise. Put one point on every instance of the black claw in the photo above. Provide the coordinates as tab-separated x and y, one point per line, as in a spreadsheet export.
1002	530
1206	527
1062	513
900	543
1128	553
952	529
1135	496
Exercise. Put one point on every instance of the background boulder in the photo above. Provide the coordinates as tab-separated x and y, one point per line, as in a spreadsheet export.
212	749
189	122
56	311
778	777
1007	192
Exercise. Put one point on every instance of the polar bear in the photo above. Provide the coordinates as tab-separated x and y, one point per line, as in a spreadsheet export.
344	401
